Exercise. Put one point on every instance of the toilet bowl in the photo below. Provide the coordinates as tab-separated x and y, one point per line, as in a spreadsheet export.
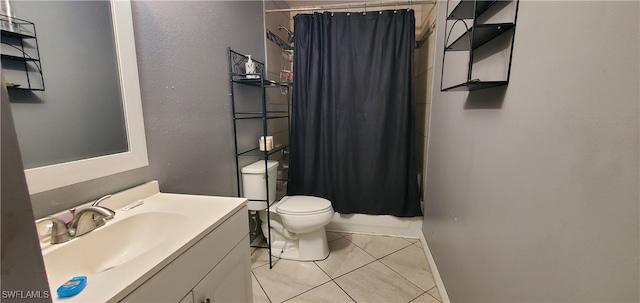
296	222
297	228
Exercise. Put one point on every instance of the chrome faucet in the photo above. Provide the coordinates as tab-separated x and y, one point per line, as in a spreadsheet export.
84	220
88	219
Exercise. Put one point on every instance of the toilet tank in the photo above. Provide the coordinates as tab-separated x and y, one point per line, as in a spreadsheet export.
253	180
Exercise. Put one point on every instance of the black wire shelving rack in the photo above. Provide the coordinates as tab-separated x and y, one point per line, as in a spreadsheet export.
238	76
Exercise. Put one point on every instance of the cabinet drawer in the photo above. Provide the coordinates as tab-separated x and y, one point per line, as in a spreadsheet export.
178	278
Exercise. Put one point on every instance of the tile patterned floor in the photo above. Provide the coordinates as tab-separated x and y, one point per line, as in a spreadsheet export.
360	268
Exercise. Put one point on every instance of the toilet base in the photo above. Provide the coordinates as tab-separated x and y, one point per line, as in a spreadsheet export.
311	246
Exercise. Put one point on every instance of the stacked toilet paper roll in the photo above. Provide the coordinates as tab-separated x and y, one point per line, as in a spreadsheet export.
266	143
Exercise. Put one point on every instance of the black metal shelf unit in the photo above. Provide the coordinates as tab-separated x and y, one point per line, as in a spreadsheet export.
238	76
20	44
473	38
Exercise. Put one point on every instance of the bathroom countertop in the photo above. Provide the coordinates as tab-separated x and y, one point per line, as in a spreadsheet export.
203	213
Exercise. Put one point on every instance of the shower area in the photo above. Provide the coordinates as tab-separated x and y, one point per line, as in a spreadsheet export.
280	32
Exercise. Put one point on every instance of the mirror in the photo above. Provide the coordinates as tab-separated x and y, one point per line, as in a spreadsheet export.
88	122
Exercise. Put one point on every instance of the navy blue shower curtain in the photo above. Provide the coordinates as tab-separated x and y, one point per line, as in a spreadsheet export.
351	119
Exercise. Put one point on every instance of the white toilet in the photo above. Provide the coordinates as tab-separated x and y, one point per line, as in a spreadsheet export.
297	222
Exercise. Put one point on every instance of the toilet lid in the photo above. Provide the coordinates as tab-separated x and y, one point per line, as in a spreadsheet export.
303	205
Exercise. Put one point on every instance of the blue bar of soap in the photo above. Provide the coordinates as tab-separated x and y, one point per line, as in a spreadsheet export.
72	287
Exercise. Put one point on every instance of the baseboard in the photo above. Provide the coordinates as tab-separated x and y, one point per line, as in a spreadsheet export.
434	270
377	225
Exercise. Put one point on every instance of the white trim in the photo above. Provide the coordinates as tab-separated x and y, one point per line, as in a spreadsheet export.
50	177
434	270
376	225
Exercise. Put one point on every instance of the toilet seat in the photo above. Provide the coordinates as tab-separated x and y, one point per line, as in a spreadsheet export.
303	205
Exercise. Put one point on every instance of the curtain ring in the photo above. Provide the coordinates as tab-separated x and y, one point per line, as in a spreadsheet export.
395	8
348	10
365	9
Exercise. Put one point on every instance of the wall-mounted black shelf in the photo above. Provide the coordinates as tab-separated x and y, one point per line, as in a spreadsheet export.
475	85
481	33
18	58
20	44
11	34
469	9
238	75
475	36
24	89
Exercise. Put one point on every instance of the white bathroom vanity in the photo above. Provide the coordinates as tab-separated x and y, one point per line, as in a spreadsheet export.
169	248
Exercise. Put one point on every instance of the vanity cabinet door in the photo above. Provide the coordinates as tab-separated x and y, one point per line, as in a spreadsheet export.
230	280
188	298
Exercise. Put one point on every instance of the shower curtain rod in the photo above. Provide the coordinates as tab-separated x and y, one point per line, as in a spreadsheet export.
353	5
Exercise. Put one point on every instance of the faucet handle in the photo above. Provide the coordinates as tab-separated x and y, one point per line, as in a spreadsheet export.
100	200
40	228
59	230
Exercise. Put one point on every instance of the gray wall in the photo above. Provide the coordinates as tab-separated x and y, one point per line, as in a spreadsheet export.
22	265
80	112
532	191
182	61
182	55
181	48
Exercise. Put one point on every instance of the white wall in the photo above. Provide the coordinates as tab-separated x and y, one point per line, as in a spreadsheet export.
532	189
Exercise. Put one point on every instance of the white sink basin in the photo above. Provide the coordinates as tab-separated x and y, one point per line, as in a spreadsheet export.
111	245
